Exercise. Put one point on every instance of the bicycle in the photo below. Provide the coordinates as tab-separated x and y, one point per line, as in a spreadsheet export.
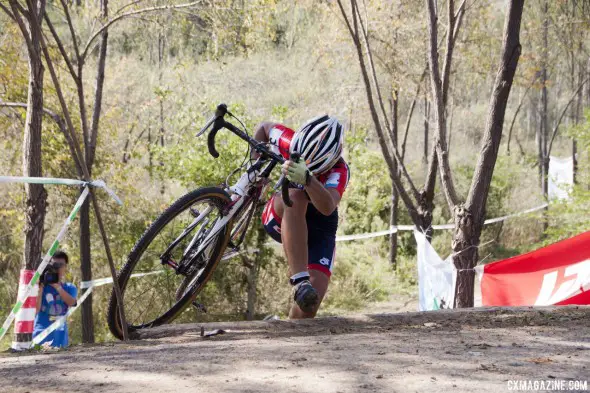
205	226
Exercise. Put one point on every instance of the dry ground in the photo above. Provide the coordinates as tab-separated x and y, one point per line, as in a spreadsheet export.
457	351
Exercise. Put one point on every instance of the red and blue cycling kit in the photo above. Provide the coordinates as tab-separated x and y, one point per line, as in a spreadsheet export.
321	229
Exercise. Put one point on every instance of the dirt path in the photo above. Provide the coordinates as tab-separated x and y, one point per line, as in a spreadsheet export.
454	351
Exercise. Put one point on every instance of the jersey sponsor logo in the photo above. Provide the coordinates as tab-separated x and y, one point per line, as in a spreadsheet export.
333	179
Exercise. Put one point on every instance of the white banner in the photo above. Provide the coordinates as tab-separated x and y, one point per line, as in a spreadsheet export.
436	278
561	177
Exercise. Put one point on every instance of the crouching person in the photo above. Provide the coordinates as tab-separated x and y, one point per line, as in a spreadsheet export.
54	299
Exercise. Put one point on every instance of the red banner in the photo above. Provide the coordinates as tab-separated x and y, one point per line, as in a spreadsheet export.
557	274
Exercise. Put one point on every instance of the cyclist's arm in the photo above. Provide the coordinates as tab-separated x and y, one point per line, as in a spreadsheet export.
262	131
261	134
324	199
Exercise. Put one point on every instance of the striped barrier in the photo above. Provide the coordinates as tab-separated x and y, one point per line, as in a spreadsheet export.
25	317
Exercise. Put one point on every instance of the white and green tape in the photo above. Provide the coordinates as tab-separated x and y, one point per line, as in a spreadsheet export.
59	181
44	263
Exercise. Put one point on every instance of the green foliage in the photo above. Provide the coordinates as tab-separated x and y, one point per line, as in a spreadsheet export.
188	161
362	274
368	197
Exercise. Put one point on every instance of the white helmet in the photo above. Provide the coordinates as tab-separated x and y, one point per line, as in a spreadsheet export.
319	142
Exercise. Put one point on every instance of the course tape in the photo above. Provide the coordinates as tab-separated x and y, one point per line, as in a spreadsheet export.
67	182
109	280
397	228
29	288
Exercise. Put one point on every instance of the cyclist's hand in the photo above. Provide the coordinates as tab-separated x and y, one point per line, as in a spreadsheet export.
297	172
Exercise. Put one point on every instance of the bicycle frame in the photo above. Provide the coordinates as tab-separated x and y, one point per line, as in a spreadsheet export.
240	200
242	191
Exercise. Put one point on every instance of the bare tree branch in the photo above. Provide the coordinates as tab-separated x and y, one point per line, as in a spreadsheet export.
128	5
411	113
439	110
78	158
458	21
17	9
21	9
126	14
53	115
396	154
61	48
516	113
8	12
455	21
556	128
99	88
72	33
372	65
24	105
430	182
380	134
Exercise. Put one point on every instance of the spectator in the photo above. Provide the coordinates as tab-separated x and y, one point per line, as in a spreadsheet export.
54	298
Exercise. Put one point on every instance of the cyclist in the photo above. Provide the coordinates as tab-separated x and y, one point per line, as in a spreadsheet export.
307	230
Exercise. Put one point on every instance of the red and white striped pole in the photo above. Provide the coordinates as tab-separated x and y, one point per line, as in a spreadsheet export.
25	318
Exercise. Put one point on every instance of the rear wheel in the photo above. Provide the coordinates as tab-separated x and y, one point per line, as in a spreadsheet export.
172	261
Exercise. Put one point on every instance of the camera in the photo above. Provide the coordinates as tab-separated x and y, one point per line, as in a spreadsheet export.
50	275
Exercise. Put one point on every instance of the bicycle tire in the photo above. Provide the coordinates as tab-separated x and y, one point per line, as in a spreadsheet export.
180	205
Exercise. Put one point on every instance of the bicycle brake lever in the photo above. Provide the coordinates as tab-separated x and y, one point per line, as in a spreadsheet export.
279	183
206	126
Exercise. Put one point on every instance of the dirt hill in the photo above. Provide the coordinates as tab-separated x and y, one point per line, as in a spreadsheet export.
479	350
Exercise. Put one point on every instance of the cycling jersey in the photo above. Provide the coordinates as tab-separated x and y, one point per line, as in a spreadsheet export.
321	229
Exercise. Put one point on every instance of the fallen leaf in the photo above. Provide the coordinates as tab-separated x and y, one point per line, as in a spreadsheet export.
540	360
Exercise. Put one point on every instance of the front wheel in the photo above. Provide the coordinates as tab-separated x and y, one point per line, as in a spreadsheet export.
172	261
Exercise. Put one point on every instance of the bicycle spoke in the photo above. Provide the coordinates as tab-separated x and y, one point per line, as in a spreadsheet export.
179	240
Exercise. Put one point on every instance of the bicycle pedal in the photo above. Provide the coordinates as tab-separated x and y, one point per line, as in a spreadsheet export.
200	307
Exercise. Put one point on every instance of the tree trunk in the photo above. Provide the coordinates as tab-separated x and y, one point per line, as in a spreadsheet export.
426	125
90	152
544	154
86	272
254	269
393	223
544	134
36	196
394	194
575	160
252	284
466	255
150	153
161	47
469	217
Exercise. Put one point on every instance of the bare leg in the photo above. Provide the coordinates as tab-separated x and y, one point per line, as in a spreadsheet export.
294	230
320	282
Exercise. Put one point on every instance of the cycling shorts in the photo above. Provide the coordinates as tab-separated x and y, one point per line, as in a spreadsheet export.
321	235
